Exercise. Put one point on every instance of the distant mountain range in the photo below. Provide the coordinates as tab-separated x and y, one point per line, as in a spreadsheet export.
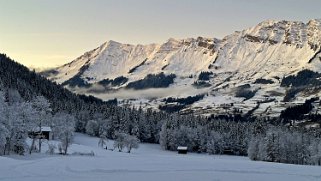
260	70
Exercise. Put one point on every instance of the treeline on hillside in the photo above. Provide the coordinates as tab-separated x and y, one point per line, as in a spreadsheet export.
201	84
171	108
118	81
29	84
263	81
297	112
77	81
184	100
153	81
205	75
305	80
245	91
177	104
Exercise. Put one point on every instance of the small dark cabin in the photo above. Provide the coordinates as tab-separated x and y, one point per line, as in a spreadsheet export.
182	150
45	133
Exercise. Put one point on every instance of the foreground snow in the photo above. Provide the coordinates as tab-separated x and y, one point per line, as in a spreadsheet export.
149	162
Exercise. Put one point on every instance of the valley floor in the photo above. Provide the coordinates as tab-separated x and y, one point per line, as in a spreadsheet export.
149	162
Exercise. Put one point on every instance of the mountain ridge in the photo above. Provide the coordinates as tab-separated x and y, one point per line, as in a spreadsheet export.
271	50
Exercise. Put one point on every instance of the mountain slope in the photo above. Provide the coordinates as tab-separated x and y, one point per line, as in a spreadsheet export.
267	52
14	76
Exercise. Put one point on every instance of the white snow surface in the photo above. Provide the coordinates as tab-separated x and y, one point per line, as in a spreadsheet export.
149	162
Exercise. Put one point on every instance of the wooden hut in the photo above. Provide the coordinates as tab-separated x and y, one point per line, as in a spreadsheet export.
44	133
182	149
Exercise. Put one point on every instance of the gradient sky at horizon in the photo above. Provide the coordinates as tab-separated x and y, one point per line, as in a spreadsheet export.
47	33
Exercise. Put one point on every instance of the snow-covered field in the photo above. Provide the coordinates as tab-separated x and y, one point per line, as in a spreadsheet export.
149	162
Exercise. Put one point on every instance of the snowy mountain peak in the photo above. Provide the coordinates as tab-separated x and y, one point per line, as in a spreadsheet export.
171	44
289	32
315	22
269	51
110	44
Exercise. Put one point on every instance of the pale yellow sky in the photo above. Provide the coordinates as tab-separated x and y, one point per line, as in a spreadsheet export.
47	50
47	33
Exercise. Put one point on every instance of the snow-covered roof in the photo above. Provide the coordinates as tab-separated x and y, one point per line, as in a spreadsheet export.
182	148
43	128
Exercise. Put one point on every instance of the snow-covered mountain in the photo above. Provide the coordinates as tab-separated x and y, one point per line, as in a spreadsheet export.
243	72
